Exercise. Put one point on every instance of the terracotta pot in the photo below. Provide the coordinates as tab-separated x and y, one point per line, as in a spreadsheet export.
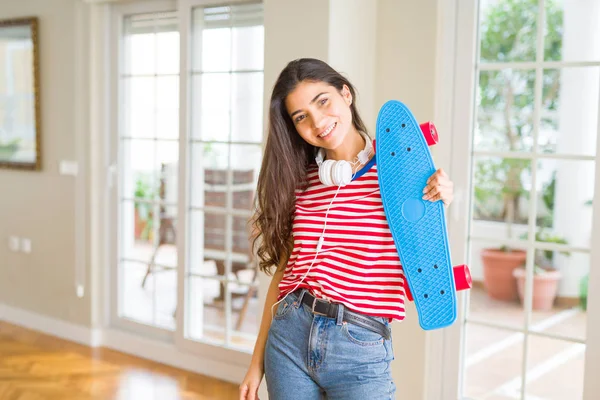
545	288
498	267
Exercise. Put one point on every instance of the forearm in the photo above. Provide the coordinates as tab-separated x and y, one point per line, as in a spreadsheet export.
259	348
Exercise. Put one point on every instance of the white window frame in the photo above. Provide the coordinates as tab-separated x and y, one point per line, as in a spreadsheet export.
457	73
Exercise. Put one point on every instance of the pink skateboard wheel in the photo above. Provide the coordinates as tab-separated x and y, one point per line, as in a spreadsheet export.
462	277
430	132
462	280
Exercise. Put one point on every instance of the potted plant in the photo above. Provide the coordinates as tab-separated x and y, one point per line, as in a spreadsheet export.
545	275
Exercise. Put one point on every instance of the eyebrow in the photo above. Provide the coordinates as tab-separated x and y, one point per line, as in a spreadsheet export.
312	101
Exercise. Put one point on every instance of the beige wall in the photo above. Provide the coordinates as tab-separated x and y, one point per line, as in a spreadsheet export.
406	51
41	205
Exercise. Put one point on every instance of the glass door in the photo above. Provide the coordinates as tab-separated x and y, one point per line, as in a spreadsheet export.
187	148
531	71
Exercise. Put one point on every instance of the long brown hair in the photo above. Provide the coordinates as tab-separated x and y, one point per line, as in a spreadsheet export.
285	161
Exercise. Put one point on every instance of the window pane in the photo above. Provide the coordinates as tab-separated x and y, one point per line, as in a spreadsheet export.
501	192
248	48
493	359
245	307
149	286
564	212
134	302
139	173
505	110
139	92
247	107
555	370
137	231
508	30
211	116
167	46
494	297
560	293
209	174
245	162
167	124
206	317
570	111
207	249
167	92
139	123
140	53
215	233
216	50
571	32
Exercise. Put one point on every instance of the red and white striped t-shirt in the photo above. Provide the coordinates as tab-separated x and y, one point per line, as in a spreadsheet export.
358	264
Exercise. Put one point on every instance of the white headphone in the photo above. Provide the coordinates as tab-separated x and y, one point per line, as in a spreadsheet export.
339	173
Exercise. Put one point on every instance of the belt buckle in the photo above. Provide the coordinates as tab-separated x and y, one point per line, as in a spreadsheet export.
313	308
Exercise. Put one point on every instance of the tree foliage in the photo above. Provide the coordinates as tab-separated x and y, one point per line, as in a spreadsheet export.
506	99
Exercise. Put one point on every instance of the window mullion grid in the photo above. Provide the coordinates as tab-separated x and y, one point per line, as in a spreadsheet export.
229	204
525	65
532	223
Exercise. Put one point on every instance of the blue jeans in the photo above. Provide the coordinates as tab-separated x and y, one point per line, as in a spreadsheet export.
310	356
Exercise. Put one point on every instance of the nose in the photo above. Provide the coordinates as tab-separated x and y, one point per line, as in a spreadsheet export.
319	121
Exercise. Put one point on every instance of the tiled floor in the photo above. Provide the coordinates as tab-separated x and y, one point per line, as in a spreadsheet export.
493	359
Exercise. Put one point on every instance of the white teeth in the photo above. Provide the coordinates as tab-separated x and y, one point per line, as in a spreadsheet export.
328	131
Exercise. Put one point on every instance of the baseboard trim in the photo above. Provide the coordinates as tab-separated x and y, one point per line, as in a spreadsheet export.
160	352
169	354
51	326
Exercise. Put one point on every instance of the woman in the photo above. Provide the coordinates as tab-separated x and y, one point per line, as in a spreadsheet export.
321	224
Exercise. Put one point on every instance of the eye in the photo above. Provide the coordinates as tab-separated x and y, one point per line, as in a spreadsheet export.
323	101
299	118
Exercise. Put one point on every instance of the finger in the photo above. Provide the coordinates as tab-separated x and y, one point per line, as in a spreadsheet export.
253	393
432	191
431	185
432	177
436	197
438	194
243	392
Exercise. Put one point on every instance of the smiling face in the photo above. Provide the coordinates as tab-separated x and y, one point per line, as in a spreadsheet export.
321	114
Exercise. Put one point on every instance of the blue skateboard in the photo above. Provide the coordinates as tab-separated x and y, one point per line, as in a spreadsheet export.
418	226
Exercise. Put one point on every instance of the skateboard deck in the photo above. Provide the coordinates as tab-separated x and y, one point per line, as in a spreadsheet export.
418	226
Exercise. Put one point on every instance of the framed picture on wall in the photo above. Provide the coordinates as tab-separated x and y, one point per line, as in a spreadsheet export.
19	94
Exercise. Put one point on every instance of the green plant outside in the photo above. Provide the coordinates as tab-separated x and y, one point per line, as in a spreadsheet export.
509	31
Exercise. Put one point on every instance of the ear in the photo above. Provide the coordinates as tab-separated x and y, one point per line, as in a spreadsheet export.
346	94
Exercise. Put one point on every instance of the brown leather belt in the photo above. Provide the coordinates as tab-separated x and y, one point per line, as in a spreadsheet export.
330	310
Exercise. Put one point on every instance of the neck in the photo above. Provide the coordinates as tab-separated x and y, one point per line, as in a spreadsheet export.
349	148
